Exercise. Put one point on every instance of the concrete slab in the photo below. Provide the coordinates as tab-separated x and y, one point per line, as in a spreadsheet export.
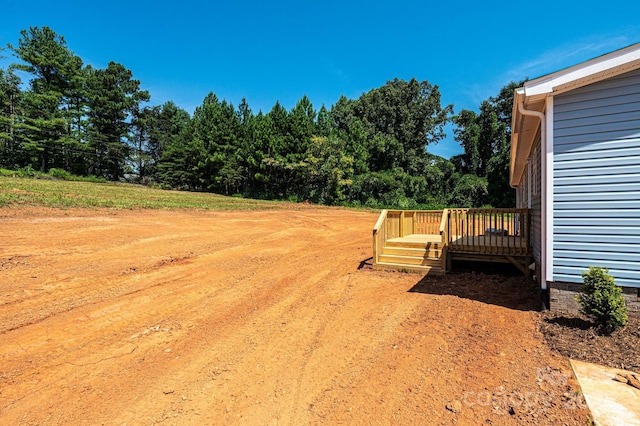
611	403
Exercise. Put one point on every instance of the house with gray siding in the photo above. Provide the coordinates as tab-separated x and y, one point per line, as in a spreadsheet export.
575	161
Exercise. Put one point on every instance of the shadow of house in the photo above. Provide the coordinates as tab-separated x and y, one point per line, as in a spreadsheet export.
571	322
495	286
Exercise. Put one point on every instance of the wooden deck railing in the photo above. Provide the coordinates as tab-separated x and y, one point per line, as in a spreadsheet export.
489	231
400	223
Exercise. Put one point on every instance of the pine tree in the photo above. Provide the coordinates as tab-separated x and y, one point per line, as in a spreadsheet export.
113	96
50	104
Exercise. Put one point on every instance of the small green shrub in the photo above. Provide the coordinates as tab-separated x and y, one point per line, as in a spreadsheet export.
60	174
27	172
601	300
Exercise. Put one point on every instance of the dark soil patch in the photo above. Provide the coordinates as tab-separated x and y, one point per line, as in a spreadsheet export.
578	338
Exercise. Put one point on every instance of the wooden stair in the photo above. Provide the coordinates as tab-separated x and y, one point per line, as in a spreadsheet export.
411	256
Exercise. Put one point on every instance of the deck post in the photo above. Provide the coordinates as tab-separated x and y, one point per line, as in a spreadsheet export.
444	224
379	235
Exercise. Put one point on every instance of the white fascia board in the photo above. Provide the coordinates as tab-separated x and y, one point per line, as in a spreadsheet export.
548	83
518	97
519	92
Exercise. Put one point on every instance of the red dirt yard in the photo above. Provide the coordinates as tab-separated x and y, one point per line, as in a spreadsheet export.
257	317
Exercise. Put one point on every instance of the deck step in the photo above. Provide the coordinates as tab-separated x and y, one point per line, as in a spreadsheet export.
420	269
412	244
408	260
412	251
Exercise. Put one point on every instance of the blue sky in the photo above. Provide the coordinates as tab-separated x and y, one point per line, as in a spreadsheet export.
268	51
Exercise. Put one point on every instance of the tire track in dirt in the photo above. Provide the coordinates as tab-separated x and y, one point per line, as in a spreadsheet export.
266	238
288	301
116	265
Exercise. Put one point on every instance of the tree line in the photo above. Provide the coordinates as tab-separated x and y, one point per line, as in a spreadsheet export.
370	151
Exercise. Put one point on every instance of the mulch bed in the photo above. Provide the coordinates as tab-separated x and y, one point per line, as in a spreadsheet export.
578	338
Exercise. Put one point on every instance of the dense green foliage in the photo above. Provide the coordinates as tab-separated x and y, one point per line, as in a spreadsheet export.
486	139
53	174
371	151
601	300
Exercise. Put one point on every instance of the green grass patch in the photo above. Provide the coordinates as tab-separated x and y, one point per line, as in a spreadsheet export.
20	191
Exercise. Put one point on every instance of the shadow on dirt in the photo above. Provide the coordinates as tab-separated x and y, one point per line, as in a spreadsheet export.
570	322
366	264
501	285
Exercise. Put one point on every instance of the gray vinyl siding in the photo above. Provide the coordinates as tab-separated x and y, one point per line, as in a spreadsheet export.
596	185
536	201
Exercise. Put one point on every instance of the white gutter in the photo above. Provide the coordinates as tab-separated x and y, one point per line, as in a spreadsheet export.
543	184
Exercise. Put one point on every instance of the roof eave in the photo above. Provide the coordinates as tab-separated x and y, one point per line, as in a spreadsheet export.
588	72
515	135
534	91
523	132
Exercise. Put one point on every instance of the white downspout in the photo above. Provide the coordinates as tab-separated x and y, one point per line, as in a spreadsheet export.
543	184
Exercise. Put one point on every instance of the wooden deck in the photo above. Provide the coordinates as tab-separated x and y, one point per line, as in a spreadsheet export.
428	241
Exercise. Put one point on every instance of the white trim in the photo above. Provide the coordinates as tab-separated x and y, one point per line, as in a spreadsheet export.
547	201
543	212
604	65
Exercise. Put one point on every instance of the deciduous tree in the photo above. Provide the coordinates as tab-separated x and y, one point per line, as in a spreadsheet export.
485	138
